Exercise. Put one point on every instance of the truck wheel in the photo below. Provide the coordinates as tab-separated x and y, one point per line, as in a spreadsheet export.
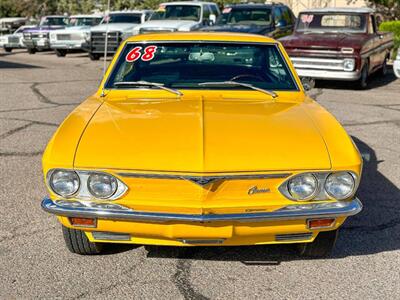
363	81
384	68
60	52
31	50
7	49
94	56
77	242
321	246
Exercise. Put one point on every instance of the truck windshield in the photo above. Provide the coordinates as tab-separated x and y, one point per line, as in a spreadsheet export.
54	21
83	21
329	22
177	12
124	18
188	65
248	16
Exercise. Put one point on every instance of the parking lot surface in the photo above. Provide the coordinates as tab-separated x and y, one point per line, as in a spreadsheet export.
36	94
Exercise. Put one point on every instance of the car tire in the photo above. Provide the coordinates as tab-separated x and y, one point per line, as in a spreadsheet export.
7	49
60	53
31	50
384	68
363	81
322	245
94	56
78	243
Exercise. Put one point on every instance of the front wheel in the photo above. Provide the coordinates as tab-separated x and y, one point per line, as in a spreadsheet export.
321	246
60	52
94	56
77	242
31	50
384	68
363	81
7	49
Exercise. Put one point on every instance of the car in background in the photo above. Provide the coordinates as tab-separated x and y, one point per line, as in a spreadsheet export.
74	35
275	20
396	64
37	38
338	44
9	25
14	41
117	26
180	16
201	139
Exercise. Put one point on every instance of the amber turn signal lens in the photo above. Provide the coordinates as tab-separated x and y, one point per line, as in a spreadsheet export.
320	223
82	222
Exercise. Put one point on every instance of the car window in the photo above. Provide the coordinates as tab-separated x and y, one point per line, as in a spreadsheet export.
186	64
331	22
177	12
286	15
214	10
123	18
53	21
246	16
206	13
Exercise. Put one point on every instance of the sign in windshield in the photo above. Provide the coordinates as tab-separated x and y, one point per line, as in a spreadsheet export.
177	12
331	22
189	65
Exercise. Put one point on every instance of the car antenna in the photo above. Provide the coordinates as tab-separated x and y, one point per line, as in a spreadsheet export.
107	16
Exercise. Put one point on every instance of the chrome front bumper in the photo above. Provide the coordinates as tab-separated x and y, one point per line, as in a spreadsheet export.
329	75
118	212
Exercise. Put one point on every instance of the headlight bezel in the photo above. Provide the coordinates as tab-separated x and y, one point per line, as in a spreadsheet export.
321	194
83	192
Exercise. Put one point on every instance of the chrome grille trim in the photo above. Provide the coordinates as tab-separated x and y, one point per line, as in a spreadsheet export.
100	235
202	241
216	177
318	63
294	236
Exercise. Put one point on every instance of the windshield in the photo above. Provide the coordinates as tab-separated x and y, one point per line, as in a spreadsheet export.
84	21
248	16
124	18
331	22
187	64
177	12
54	21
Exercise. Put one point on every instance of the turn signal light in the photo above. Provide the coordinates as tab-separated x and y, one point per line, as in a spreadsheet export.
320	223
82	222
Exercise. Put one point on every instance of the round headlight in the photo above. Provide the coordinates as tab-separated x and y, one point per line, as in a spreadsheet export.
303	187
340	185
102	185
64	182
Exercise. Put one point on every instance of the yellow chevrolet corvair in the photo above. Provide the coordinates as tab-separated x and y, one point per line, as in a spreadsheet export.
201	139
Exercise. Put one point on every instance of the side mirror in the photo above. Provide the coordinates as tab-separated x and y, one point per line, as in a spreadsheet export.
308	83
213	19
281	23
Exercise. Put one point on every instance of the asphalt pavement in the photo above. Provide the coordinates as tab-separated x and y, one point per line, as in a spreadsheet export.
38	91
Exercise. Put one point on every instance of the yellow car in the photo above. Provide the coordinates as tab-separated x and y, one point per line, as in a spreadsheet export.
201	139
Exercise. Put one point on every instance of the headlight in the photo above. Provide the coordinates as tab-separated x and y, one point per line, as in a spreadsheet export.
53	36
302	187
101	185
340	185
64	182
87	36
348	64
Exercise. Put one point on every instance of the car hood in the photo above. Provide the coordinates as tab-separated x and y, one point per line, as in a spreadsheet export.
201	134
75	29
114	27
44	28
169	24
324	40
240	28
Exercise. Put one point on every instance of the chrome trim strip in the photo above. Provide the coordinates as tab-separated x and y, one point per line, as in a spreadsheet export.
293	236
290	212
216	177
202	241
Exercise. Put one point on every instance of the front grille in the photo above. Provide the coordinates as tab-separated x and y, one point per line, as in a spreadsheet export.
63	37
13	39
98	41
69	37
317	63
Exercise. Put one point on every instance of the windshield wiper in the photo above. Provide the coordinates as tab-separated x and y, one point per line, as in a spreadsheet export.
147	83
235	83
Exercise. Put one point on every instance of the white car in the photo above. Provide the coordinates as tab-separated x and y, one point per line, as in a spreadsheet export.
180	16
14	41
74	35
396	64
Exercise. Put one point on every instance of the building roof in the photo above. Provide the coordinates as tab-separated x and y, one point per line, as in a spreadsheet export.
340	9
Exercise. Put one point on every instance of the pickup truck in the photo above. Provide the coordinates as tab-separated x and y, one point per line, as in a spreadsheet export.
338	44
118	25
274	19
74	35
14	40
180	16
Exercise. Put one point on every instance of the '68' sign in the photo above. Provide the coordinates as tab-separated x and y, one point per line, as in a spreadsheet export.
146	55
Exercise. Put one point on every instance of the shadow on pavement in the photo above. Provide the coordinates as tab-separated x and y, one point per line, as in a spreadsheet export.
14	65
370	232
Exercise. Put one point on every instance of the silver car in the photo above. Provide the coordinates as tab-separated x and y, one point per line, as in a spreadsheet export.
14	40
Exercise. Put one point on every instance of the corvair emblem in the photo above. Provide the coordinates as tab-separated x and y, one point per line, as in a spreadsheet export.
255	190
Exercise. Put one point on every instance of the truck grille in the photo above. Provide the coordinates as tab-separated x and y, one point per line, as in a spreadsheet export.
13	39
98	41
69	37
317	63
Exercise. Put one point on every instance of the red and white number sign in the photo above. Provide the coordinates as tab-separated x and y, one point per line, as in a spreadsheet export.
146	55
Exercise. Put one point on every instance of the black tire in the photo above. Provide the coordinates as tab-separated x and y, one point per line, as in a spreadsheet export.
7	49
60	52
31	50
94	56
362	83
77	242
384	68
322	245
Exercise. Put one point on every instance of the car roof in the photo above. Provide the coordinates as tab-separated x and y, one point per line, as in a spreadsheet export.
86	16
136	11
340	10
188	3
203	37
